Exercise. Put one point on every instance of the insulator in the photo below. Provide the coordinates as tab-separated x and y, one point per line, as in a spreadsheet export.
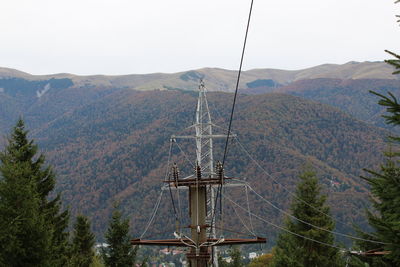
198	171
220	171
175	172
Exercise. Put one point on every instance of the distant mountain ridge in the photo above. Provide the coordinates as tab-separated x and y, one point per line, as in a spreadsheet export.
42	98
218	79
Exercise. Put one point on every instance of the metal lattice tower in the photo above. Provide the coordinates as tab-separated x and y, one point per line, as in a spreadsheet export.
202	189
205	158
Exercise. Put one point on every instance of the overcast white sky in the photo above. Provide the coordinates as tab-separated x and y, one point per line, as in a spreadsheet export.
132	36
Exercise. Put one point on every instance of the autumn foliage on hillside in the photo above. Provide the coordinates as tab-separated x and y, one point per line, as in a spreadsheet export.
115	149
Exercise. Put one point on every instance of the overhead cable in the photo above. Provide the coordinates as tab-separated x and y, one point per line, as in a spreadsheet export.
312	225
237	84
153	215
280	227
284	187
219	191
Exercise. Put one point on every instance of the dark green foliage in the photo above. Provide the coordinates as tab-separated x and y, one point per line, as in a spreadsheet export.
392	107
385	189
24	238
82	243
120	252
362	261
394	62
32	225
293	250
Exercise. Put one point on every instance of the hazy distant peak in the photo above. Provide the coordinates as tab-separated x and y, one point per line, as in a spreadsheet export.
9	73
218	79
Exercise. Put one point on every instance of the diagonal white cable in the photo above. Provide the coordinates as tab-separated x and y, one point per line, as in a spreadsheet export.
285	188
310	224
280	227
248	208
240	218
155	209
184	154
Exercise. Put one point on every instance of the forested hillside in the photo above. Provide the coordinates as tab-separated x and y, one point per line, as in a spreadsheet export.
110	143
351	96
116	149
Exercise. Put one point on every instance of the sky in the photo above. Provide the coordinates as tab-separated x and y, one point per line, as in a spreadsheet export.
130	36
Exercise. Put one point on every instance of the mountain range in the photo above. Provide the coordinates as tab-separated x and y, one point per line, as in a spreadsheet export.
108	136
219	79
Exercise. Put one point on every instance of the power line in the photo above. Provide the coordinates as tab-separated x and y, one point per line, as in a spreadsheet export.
184	154
169	181
284	187
309	205
157	205
282	228
237	83
243	223
310	224
219	191
155	209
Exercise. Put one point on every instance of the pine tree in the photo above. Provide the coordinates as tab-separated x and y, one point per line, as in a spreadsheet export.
120	252
25	181
293	250
394	62
385	189
24	239
82	243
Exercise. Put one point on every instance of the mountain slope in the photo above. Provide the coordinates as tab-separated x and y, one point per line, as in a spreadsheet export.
116	148
351	96
110	143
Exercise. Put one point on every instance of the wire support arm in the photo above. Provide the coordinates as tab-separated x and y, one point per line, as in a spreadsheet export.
210	241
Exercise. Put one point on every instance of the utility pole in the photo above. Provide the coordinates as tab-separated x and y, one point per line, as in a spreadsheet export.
202	187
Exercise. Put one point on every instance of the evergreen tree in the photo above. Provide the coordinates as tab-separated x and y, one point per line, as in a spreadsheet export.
394	62
24	189
24	239
120	252
293	250
82	243
385	189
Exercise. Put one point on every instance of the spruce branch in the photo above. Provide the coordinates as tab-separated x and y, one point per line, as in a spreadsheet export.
394	62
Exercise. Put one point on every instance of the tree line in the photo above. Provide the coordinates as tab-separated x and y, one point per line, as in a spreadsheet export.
33	224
